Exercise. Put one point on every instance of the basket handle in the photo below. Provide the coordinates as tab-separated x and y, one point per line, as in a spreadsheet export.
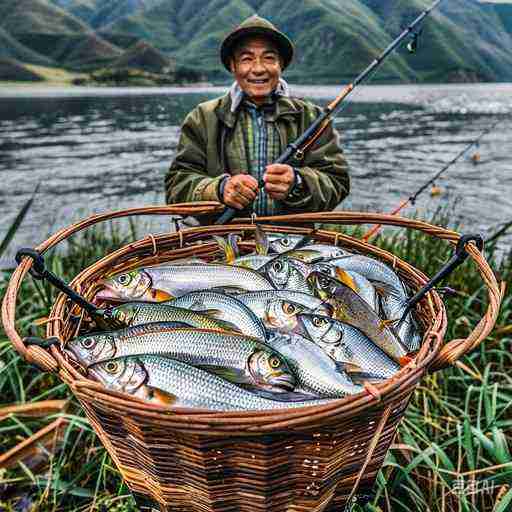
36	354
455	349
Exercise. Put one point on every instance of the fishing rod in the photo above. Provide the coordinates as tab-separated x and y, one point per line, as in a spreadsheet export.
299	147
412	199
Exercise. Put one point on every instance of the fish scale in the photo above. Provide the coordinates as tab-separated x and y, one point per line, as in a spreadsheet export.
197	388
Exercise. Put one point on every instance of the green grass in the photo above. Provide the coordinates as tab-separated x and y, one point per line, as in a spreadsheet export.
455	436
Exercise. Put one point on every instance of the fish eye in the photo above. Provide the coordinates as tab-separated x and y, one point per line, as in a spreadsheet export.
319	321
286	242
274	362
111	367
278	266
124	279
88	343
289	309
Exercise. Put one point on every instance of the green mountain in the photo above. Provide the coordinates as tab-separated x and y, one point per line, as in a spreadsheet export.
13	70
462	39
10	48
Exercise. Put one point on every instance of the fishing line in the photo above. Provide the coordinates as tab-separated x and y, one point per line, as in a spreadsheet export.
412	198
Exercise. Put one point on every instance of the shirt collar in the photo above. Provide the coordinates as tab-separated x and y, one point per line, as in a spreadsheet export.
237	95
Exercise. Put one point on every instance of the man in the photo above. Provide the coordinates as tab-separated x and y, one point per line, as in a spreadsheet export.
228	145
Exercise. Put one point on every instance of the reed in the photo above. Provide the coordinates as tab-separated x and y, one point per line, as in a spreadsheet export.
453	447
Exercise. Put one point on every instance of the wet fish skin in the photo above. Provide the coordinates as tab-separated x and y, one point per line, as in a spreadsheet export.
268	302
178	280
346	344
353	310
237	357
315	371
281	242
186	386
363	287
287	273
137	313
408	330
228	308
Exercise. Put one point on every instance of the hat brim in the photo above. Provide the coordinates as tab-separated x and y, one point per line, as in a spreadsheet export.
284	45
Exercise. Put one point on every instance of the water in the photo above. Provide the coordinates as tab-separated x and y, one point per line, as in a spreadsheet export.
106	149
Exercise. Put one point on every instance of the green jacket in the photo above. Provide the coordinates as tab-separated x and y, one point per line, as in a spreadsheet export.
199	164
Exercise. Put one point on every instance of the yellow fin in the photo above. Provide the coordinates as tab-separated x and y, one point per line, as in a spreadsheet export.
160	295
345	278
161	397
229	250
262	241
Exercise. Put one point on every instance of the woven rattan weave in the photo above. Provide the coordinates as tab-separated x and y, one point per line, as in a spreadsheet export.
312	459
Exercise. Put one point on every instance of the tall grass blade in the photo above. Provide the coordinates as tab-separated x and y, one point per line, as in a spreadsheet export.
17	221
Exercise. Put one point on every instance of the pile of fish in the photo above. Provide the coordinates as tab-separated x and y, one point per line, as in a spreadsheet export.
292	324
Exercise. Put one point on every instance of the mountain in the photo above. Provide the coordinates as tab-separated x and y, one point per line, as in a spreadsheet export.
145	57
10	48
49	30
335	40
12	70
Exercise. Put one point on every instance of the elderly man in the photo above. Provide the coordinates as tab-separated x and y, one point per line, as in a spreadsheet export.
228	144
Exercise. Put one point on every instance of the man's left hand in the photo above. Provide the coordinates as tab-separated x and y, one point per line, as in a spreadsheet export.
279	179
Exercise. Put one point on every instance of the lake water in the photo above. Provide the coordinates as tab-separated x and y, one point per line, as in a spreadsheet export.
94	150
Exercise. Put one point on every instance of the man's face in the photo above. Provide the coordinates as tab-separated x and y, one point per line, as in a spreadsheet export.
257	67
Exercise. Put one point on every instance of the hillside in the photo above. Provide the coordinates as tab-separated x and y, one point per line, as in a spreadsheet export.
11	70
461	40
10	48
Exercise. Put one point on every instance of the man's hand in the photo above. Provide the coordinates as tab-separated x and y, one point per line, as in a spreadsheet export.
279	179
240	191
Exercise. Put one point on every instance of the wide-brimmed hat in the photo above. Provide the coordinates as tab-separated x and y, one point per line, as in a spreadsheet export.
256	26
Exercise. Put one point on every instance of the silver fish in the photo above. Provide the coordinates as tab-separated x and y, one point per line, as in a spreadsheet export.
287	273
353	310
252	261
278	308
408	330
173	383
137	313
176	280
226	308
315	371
347	344
236	357
362	286
281	242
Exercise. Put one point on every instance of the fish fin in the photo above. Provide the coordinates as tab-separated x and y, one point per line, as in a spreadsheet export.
348	367
405	360
262	241
160	295
213	313
228	326
159	396
228	290
229	251
233	240
387	323
345	278
361	377
230	374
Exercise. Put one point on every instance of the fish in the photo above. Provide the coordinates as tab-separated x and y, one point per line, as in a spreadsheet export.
176	384
374	271
155	284
278	308
137	313
236	357
253	261
346	344
362	286
287	273
225	308
408	330
353	310
281	242
314	370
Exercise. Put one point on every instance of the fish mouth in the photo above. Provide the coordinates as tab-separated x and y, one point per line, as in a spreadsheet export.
283	382
106	293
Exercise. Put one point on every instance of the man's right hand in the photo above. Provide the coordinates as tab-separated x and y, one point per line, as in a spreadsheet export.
240	191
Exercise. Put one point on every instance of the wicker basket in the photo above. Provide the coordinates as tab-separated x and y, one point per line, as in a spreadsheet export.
310	459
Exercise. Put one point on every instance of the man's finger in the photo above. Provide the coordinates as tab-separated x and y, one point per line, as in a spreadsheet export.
276	178
276	169
249	181
247	192
281	189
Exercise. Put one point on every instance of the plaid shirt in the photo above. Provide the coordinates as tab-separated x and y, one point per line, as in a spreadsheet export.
257	138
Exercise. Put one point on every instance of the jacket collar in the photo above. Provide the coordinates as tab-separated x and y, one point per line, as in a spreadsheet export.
228	115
